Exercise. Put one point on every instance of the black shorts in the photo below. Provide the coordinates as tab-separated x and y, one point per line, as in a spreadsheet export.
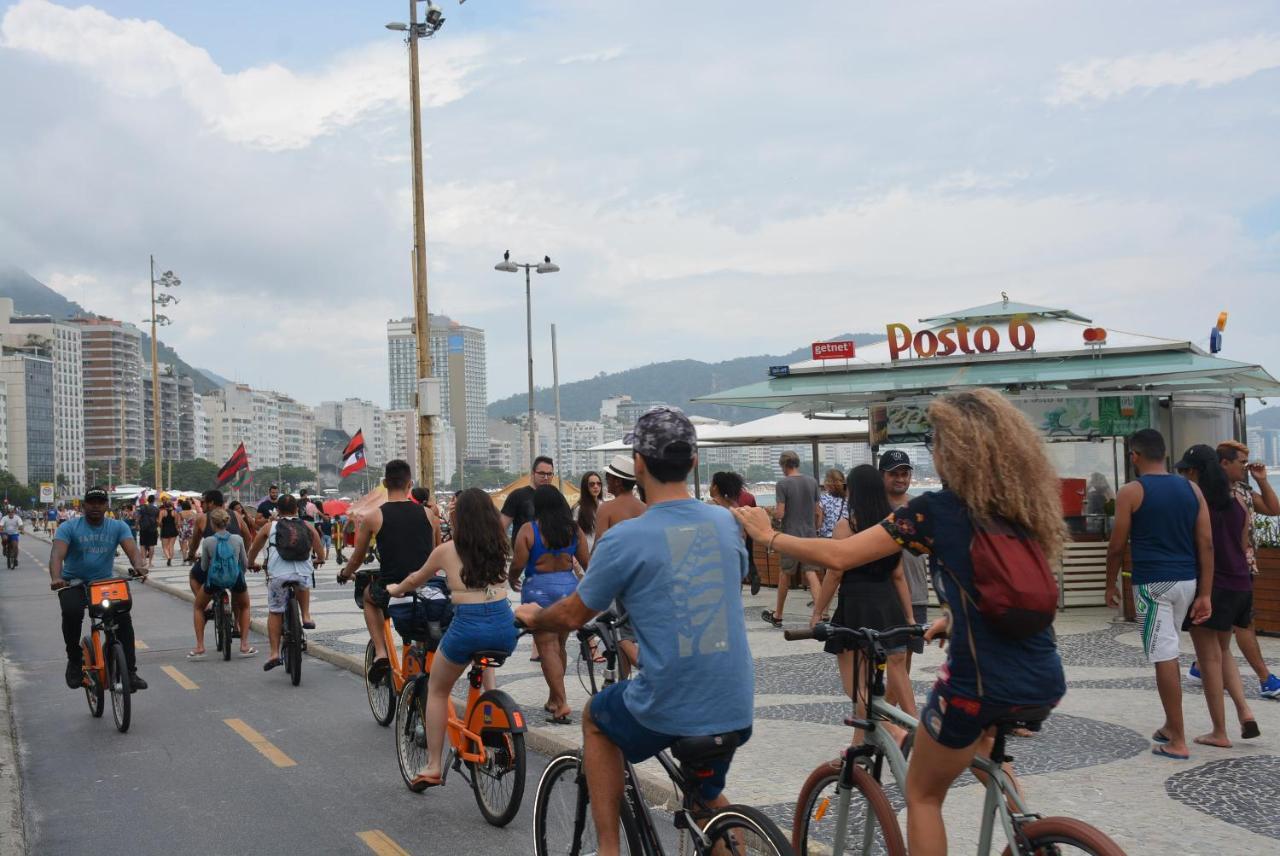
919	615
201	576
958	721
1230	609
375	588
149	537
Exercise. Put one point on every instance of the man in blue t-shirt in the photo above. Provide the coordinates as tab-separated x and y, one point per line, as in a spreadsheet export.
678	569
84	550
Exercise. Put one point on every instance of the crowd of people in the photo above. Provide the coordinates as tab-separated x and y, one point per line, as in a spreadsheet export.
864	546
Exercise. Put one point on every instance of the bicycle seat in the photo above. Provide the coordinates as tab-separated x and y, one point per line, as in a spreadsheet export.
1030	718
696	751
493	659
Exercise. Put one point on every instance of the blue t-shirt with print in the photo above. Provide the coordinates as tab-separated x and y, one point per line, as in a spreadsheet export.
678	568
981	663
91	550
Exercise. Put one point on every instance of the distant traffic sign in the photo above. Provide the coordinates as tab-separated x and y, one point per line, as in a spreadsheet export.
842	350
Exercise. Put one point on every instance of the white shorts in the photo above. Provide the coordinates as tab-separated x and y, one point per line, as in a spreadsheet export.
1161	608
275	590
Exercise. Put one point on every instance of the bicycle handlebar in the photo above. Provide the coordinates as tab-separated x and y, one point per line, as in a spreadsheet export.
863	637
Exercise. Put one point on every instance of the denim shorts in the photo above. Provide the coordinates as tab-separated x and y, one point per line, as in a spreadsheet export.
957	721
479	627
608	710
546	587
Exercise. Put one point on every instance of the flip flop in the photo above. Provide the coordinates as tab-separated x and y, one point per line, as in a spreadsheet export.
420	783
271	664
566	719
1159	737
252	651
1165	753
1249	730
308	625
197	655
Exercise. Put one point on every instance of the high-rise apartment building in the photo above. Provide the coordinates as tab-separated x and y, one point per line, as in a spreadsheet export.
458	360
356	414
112	381
28	380
276	430
177	416
60	341
200	429
4	426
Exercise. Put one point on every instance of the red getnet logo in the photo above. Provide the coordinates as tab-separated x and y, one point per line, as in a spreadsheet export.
945	341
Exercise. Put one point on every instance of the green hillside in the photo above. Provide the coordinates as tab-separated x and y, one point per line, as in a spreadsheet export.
674	381
32	297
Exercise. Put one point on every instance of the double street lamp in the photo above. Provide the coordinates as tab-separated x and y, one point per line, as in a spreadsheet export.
544	266
167	280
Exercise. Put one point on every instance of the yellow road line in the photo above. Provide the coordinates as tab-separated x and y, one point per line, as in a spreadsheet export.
141	646
379	842
262	744
179	678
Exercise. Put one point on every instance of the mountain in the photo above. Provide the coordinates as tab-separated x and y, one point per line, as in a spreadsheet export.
1267	417
674	381
32	297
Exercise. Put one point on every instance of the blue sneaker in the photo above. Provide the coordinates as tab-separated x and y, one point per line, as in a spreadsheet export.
1271	687
1193	676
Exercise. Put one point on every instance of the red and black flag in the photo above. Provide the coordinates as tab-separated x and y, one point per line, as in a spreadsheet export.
353	456
238	462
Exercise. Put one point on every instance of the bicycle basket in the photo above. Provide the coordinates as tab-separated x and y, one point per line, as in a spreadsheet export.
114	593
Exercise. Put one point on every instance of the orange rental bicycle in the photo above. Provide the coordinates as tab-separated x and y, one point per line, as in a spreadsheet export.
488	739
105	668
406	664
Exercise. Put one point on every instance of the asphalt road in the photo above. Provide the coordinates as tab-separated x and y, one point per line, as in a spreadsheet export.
183	780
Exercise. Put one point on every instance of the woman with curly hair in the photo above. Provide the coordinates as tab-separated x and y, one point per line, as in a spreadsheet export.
475	565
993	467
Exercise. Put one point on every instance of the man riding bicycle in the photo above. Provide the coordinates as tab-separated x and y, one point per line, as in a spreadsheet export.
678	571
84	551
11	527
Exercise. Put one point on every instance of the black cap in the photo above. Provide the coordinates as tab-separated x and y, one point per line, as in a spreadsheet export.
97	493
894	459
1198	457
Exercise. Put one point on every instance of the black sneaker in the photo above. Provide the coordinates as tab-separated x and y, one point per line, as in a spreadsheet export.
208	613
136	683
75	674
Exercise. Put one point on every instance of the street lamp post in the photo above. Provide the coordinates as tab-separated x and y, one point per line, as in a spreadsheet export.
544	266
422	318
167	280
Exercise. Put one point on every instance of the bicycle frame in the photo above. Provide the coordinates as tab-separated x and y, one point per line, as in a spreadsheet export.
404	664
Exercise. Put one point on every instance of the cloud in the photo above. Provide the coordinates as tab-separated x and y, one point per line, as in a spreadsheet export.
267	106
1211	64
606	55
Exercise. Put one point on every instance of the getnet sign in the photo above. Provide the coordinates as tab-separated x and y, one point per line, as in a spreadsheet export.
962	339
842	350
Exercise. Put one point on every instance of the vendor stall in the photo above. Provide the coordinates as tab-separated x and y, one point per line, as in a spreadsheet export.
1086	387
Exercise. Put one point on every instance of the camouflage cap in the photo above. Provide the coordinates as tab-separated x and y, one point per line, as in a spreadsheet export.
664	432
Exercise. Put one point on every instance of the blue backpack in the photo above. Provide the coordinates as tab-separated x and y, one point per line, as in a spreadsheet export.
225	569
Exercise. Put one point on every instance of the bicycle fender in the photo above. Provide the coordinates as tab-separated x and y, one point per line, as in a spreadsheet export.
496	709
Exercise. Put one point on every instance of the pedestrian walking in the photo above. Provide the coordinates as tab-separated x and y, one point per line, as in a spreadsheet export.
168	529
620	478
149	529
798	510
998	478
1165	522
590	493
896	469
546	548
1232	597
874	595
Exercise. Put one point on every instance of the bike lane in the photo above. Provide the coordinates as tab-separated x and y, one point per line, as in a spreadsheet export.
221	757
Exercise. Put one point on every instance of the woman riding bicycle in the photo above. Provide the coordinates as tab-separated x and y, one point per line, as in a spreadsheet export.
475	565
993	464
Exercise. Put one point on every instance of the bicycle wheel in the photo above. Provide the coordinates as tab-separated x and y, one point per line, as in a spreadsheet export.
411	731
93	689
293	637
118	679
562	823
499	782
1063	836
382	695
746	831
817	811
222	625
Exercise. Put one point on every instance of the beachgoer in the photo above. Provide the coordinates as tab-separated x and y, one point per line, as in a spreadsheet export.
896	469
590	492
799	513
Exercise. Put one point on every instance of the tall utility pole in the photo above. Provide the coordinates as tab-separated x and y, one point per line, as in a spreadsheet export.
544	266
422	317
155	379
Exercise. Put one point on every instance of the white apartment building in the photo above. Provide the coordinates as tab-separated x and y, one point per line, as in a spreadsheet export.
61	342
28	380
357	414
200	430
4	426
276	430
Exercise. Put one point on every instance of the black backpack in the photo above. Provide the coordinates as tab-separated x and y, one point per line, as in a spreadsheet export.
293	539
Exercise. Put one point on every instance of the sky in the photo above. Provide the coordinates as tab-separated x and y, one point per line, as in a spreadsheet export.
715	179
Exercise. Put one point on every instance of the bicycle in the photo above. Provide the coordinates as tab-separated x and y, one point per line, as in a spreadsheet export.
870	821
488	738
562	822
102	654
293	639
405	664
11	551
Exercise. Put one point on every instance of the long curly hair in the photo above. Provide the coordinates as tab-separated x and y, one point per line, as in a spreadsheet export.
480	539
990	455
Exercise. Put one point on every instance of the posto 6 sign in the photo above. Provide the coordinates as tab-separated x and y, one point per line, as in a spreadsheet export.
961	339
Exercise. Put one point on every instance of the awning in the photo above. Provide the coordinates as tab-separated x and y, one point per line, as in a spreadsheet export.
778	429
1149	371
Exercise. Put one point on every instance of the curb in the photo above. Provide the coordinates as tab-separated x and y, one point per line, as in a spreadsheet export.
13	839
656	788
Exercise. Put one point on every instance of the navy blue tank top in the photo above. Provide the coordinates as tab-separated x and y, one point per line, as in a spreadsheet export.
1163	537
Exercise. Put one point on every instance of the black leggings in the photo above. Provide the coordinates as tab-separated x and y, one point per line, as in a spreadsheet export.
74	602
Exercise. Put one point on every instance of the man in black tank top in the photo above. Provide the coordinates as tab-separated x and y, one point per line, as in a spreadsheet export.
405	540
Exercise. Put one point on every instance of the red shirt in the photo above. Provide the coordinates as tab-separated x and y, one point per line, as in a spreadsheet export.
746	499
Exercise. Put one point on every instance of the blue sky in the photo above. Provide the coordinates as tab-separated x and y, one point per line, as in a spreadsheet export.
715	179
